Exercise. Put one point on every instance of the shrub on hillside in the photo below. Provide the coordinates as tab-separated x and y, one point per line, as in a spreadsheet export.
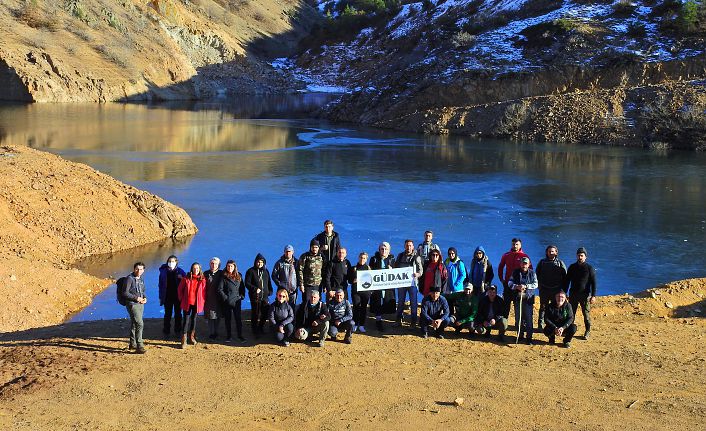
463	39
32	14
688	18
624	8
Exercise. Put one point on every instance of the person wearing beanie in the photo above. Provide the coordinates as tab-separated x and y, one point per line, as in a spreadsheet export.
559	320
435	313
284	275
310	269
580	283
551	272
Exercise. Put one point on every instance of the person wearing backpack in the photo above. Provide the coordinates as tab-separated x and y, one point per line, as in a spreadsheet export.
133	294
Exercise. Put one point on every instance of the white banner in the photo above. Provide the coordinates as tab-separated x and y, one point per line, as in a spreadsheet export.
381	279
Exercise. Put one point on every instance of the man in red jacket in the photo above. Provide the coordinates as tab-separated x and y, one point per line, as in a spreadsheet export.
508	264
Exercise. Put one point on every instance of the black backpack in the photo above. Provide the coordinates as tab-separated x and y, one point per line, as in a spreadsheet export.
120	288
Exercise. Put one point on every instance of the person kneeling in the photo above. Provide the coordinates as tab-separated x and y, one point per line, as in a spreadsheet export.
466	305
559	320
313	317
341	312
490	314
435	313
282	317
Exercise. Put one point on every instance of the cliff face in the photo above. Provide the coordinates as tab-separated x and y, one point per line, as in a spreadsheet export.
53	212
98	50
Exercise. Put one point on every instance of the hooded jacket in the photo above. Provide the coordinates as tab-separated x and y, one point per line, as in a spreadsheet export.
163	273
457	275
258	278
558	317
192	285
510	262
284	274
480	273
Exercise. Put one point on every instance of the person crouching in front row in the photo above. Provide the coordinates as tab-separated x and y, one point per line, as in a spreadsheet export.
282	317
313	317
490	314
341	312
435	313
559	320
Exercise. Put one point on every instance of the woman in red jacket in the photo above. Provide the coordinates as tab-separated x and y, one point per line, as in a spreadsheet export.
192	295
435	274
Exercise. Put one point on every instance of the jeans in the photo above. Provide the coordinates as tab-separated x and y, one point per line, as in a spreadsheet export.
229	313
172	306
413	302
526	325
333	330
288	330
189	319
293	299
426	326
135	311
585	304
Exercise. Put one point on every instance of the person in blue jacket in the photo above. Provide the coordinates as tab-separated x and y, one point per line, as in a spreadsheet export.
170	275
435	313
457	271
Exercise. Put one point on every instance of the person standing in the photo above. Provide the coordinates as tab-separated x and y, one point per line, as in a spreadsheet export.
312	316
213	307
336	274
382	301
435	273
490	314
507	266
257	281
170	275
456	270
329	242
341	313
232	292
310	269
580	282
135	300
361	298
559	320
192	295
284	274
480	274
409	258
435	313
282	317
551	272
426	246
524	283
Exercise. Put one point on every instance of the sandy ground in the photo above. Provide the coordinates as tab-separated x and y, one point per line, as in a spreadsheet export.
642	369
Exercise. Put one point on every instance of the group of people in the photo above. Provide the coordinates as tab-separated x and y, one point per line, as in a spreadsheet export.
455	294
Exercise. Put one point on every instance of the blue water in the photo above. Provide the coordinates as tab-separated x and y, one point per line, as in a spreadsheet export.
253	185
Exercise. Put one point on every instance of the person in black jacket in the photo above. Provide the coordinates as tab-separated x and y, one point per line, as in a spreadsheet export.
257	281
382	301
135	298
212	306
551	272
580	283
282	317
232	291
329	241
361	298
559	320
490	314
312	316
435	313
336	275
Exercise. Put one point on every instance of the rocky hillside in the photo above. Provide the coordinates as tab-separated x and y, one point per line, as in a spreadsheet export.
105	50
550	70
46	224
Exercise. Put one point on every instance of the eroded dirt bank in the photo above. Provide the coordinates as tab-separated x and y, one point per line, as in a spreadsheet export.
641	370
53	212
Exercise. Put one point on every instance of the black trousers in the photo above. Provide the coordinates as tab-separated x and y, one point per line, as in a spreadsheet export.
172	306
229	313
360	308
189	319
288	331
568	333
582	301
259	314
510	297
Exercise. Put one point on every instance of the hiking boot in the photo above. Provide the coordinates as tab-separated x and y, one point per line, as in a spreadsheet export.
379	326
241	339
361	329
355	328
131	346
348	340
567	344
586	335
440	336
285	343
425	335
183	341
530	342
140	350
501	337
322	341
552	340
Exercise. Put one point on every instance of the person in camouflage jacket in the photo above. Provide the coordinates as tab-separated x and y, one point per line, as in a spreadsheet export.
310	269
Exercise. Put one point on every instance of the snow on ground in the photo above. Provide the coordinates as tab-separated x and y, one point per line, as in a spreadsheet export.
404	21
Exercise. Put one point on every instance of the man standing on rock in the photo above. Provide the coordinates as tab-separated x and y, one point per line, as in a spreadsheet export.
134	294
581	284
329	242
426	247
509	263
284	274
409	258
170	275
551	272
310	269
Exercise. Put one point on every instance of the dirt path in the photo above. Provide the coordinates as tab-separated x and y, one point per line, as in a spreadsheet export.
641	370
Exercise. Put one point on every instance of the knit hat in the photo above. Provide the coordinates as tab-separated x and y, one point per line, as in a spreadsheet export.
289	247
582	250
314	243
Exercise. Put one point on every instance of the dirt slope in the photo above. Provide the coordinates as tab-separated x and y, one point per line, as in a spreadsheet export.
53	212
638	372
